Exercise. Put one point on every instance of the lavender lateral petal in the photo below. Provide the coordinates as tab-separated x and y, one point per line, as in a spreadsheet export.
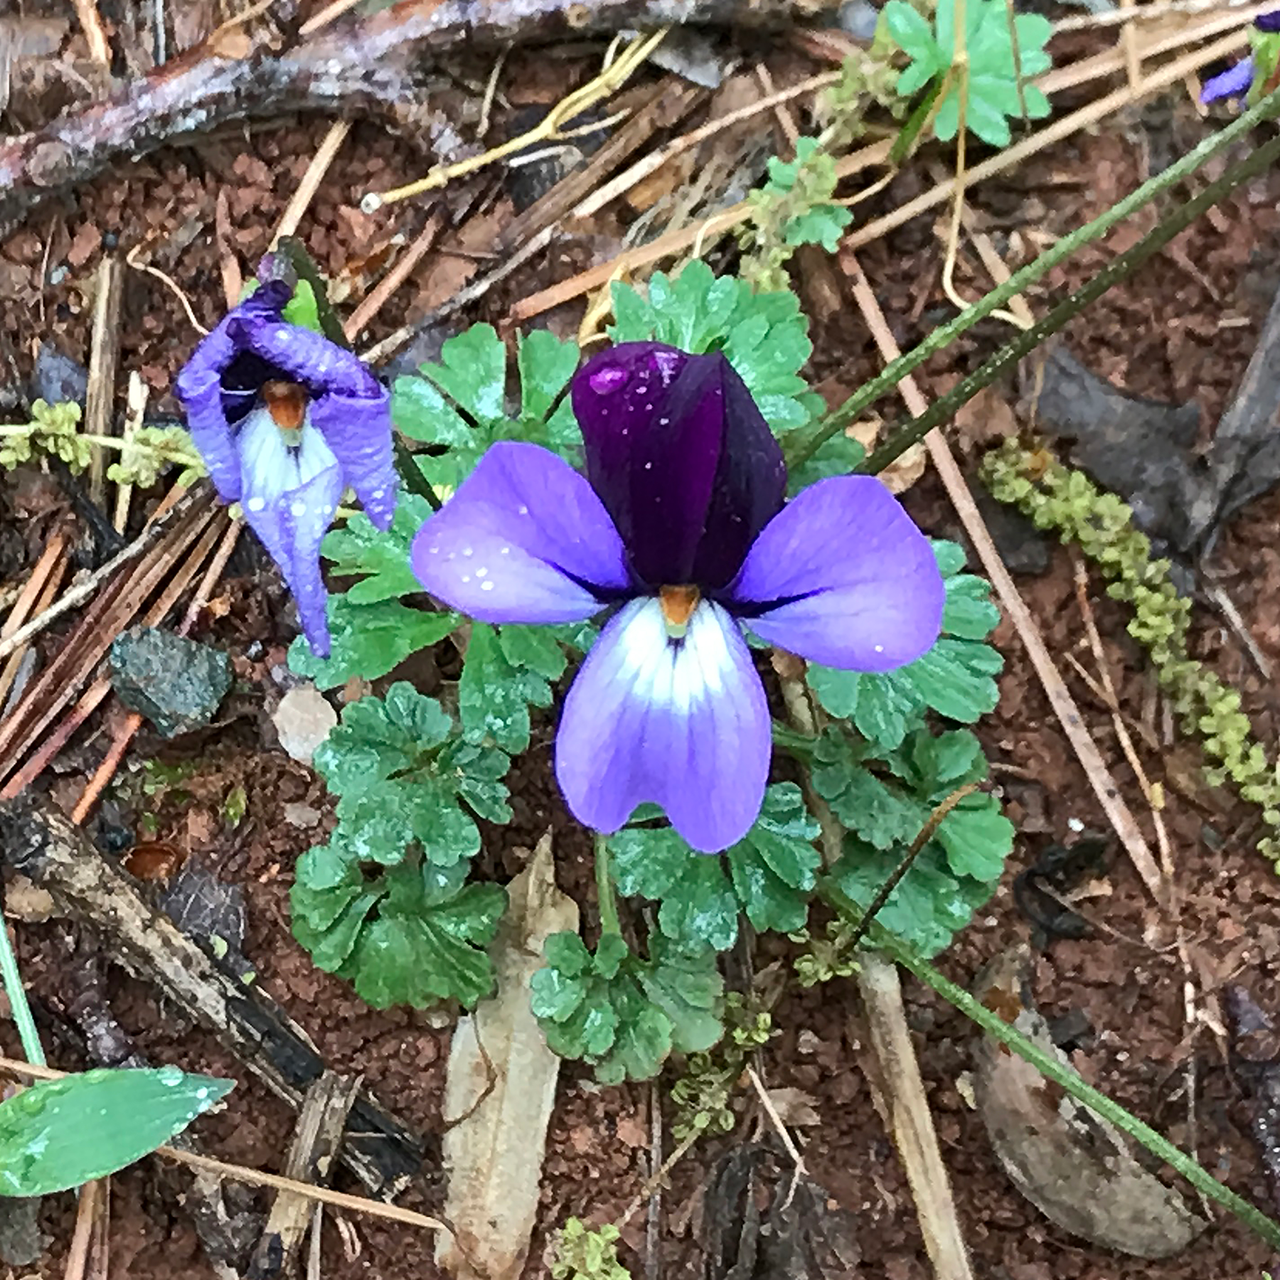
358	430
843	577
1235	82
524	539
682	724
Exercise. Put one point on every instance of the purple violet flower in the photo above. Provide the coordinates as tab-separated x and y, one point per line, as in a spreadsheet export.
1236	81
285	420
680	523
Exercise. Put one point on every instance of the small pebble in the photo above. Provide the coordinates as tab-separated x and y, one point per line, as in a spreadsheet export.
303	720
301	815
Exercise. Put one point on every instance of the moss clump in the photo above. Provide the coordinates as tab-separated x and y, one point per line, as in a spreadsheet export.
1067	502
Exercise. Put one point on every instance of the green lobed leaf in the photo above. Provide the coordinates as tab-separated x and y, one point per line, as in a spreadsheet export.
458	405
368	640
380	558
623	1014
769	874
698	902
772	868
61	1133
995	64
414	934
400	776
883	815
822	224
927	908
505	673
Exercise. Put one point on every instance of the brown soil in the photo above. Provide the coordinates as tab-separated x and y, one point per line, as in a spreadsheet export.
1183	328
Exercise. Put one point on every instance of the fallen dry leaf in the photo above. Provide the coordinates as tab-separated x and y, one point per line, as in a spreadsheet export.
1075	1167
500	1089
985	420
905	469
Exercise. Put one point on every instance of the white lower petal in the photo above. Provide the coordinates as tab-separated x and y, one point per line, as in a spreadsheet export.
681	723
274	462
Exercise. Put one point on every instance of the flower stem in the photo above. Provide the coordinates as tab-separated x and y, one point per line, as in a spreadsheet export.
1052	1068
412	476
13	988
799	744
608	903
944	335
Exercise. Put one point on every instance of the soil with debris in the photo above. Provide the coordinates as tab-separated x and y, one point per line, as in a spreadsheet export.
1182	330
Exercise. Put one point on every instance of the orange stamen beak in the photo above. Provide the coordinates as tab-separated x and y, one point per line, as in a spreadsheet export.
286	403
678	604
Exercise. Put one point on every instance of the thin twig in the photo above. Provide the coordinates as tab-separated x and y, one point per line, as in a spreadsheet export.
86	1213
377	298
311	180
711	229
94	33
52	582
104	354
772	1112
339	1199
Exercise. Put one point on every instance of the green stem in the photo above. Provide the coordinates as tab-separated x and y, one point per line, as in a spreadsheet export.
1026	341
412	475
896	370
13	988
608	903
799	744
1052	1068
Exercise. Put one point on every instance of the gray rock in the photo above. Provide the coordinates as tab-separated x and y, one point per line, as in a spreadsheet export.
176	683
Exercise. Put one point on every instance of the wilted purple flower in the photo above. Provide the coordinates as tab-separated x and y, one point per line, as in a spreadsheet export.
681	523
285	420
1236	81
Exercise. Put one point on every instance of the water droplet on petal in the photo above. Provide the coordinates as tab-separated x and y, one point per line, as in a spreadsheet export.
299	509
466	577
606	381
255	504
467	551
486	586
524	511
481	572
879	648
506	551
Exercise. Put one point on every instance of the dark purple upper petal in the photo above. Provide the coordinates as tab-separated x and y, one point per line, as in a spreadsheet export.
1268	21
681	458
